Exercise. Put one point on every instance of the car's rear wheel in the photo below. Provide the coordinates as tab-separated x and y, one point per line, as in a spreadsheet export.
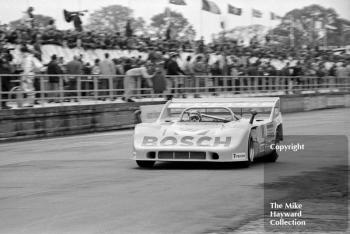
250	153
272	157
145	164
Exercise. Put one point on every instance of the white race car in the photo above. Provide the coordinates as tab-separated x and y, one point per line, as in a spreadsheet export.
209	130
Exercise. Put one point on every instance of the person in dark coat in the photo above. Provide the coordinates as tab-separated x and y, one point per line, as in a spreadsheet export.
173	69
158	80
74	67
54	69
5	68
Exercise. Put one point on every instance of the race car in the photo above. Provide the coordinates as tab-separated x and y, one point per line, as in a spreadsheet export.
209	130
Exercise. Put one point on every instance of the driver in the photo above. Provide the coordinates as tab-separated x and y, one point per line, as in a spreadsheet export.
195	116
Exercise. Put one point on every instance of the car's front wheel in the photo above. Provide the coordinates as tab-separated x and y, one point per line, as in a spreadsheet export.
250	153
145	164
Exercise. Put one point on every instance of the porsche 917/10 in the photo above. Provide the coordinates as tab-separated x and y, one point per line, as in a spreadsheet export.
209	130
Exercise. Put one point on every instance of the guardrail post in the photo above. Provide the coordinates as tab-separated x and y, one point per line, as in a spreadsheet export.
61	89
95	88
110	85
78	88
42	90
225	84
1	91
138	87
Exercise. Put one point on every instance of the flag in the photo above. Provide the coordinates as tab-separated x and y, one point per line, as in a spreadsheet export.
274	16
178	2
211	7
256	13
234	10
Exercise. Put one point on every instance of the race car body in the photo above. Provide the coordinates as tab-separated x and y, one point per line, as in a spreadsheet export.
210	130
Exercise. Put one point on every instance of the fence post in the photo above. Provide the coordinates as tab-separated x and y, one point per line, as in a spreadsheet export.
197	89
95	88
110	85
42	90
225	84
61	88
1	93
78	88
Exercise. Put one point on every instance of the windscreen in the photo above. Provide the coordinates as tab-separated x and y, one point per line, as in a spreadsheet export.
174	112
207	114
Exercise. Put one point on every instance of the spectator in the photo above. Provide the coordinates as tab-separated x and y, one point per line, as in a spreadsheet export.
54	69
159	80
132	78
29	66
342	75
74	67
28	17
51	25
108	71
95	70
173	69
5	68
216	72
188	70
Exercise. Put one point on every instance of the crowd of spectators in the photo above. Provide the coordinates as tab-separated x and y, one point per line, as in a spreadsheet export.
224	57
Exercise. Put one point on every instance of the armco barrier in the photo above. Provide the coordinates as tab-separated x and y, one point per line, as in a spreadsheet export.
67	120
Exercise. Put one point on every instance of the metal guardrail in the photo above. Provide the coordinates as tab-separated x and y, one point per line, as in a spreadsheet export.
78	88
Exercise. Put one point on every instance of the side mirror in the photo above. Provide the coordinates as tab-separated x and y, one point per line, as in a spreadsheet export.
254	113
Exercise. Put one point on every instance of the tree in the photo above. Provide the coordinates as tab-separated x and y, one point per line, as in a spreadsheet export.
307	25
113	18
40	20
179	24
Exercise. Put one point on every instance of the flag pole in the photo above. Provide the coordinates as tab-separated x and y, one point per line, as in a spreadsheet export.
251	17
200	21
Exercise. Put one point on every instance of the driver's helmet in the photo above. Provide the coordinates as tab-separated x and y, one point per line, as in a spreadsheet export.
195	116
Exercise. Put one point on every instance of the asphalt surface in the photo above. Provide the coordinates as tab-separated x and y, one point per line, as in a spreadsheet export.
88	184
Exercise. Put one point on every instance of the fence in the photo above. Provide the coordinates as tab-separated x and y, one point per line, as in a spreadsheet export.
79	88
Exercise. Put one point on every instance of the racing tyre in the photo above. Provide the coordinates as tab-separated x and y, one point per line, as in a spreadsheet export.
250	153
145	164
272	157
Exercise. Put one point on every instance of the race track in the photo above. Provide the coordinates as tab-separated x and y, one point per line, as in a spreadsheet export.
88	184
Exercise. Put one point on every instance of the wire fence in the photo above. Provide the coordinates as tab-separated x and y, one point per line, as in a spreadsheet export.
19	89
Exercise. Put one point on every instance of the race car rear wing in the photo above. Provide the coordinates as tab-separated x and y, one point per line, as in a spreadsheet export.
224	102
151	113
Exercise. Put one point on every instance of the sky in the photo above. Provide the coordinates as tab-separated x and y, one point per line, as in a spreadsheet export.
205	23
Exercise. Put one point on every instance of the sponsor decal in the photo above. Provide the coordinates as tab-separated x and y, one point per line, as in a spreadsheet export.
187	141
238	155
